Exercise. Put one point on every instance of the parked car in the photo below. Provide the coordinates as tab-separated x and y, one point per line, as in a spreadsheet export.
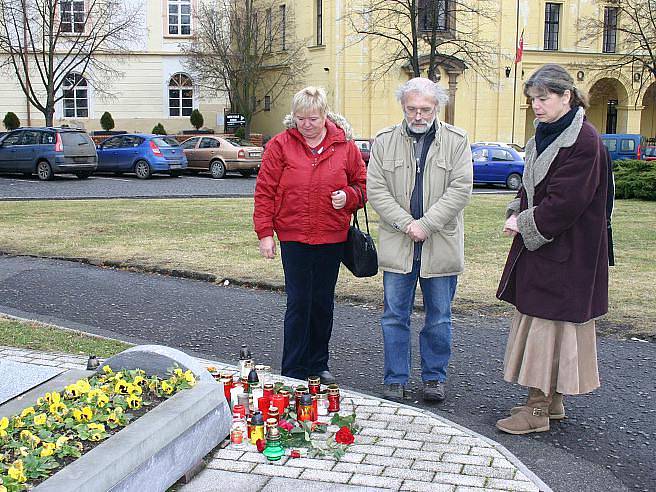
649	153
142	154
219	155
623	145
518	148
365	148
48	151
494	164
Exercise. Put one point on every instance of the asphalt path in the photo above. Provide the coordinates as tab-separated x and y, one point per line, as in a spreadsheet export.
107	186
606	443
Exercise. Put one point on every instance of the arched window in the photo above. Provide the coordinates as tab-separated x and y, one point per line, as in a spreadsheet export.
181	95
76	97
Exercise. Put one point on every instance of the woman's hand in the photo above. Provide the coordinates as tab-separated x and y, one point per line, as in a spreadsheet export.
268	247
510	227
339	199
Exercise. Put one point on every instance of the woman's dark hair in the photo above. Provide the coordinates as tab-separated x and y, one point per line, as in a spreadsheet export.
552	78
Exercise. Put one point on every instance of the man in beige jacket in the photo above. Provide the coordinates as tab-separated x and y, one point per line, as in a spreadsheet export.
419	181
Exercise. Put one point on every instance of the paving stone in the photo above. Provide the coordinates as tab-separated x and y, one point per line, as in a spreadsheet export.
408	474
19	358
427	487
254	457
228	454
371	424
351	457
488	471
372	449
397	419
276	484
387	461
44	362
210	480
372	481
405	426
466	459
520	476
326	476
359	468
385	410
277	471
311	463
229	465
455	479
386	433
415	454
364	401
410	411
69	365
437	466
467	441
360	439
446	448
452	431
479	451
429	437
401	443
502	463
513	485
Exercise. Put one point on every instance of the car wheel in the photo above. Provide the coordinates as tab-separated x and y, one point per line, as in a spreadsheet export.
218	170
83	174
246	172
176	174
44	171
142	170
514	181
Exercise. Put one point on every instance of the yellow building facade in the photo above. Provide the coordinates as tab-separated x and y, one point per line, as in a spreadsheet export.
490	108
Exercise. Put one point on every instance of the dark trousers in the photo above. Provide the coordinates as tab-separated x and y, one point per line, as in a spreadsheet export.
310	277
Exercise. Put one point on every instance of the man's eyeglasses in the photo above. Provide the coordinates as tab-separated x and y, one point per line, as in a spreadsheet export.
411	111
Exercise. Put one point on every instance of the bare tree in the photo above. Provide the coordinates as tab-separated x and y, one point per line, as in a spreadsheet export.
628	30
416	33
54	44
247	50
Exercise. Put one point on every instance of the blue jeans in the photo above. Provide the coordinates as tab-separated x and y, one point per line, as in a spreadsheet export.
311	272
435	337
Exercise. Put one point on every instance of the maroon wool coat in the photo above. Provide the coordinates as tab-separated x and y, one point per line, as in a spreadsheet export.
557	268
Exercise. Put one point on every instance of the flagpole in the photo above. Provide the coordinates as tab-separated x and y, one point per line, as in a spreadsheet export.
512	138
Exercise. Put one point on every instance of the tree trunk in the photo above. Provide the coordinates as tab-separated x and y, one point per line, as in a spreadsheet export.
49	114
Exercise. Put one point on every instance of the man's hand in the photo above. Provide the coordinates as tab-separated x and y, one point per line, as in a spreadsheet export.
339	199
415	232
268	247
510	227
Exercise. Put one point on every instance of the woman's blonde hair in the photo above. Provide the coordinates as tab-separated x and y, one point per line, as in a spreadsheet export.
310	99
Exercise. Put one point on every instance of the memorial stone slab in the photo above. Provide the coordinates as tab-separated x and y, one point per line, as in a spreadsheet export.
17	377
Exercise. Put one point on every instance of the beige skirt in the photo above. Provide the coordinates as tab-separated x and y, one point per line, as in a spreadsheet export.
552	355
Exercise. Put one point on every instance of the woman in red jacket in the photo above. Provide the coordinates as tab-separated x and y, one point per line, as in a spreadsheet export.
311	180
556	274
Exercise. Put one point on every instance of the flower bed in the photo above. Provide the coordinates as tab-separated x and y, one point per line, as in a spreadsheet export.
62	426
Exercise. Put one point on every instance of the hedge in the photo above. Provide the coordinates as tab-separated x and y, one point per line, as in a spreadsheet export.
635	179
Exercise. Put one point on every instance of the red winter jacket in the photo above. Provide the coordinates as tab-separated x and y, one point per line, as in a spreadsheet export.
293	190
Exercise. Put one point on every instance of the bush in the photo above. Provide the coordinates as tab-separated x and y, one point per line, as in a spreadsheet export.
106	121
240	132
196	119
11	121
635	179
158	129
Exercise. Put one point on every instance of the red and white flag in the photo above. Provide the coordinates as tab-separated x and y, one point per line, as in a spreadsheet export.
520	48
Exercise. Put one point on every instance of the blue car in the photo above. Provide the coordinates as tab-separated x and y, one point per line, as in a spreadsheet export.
494	164
142	154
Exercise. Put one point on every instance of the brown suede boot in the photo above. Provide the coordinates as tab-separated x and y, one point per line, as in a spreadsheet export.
556	408
532	417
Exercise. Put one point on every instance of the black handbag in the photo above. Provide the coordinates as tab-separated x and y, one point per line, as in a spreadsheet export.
360	255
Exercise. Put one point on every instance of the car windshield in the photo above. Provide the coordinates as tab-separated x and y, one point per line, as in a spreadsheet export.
239	142
166	142
650	151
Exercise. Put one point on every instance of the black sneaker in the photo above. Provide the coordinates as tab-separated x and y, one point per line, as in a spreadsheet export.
326	377
434	391
394	391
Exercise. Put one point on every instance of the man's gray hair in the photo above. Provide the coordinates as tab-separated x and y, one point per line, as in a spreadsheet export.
425	87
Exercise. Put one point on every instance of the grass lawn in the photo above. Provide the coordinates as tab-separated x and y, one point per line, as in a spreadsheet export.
215	236
36	336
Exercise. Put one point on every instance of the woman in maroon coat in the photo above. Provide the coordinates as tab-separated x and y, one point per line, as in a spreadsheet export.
556	274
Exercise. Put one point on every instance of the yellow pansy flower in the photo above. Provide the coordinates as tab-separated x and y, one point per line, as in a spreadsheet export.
15	471
190	378
98	427
71	391
53	397
33	440
83	385
138	380
178	372
26	412
40	401
134	402
4	423
48	449
40	419
18	422
23	451
61	440
58	409
121	387
167	387
134	389
83	414
107	370
113	418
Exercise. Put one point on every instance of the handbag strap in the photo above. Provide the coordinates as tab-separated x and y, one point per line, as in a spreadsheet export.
364	206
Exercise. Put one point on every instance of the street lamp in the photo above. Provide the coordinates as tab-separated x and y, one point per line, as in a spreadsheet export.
508	69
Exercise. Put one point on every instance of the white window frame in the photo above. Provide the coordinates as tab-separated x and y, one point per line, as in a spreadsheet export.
177	83
69	7
80	92
174	12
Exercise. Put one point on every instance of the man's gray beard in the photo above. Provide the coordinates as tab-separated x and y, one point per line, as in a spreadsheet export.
422	129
